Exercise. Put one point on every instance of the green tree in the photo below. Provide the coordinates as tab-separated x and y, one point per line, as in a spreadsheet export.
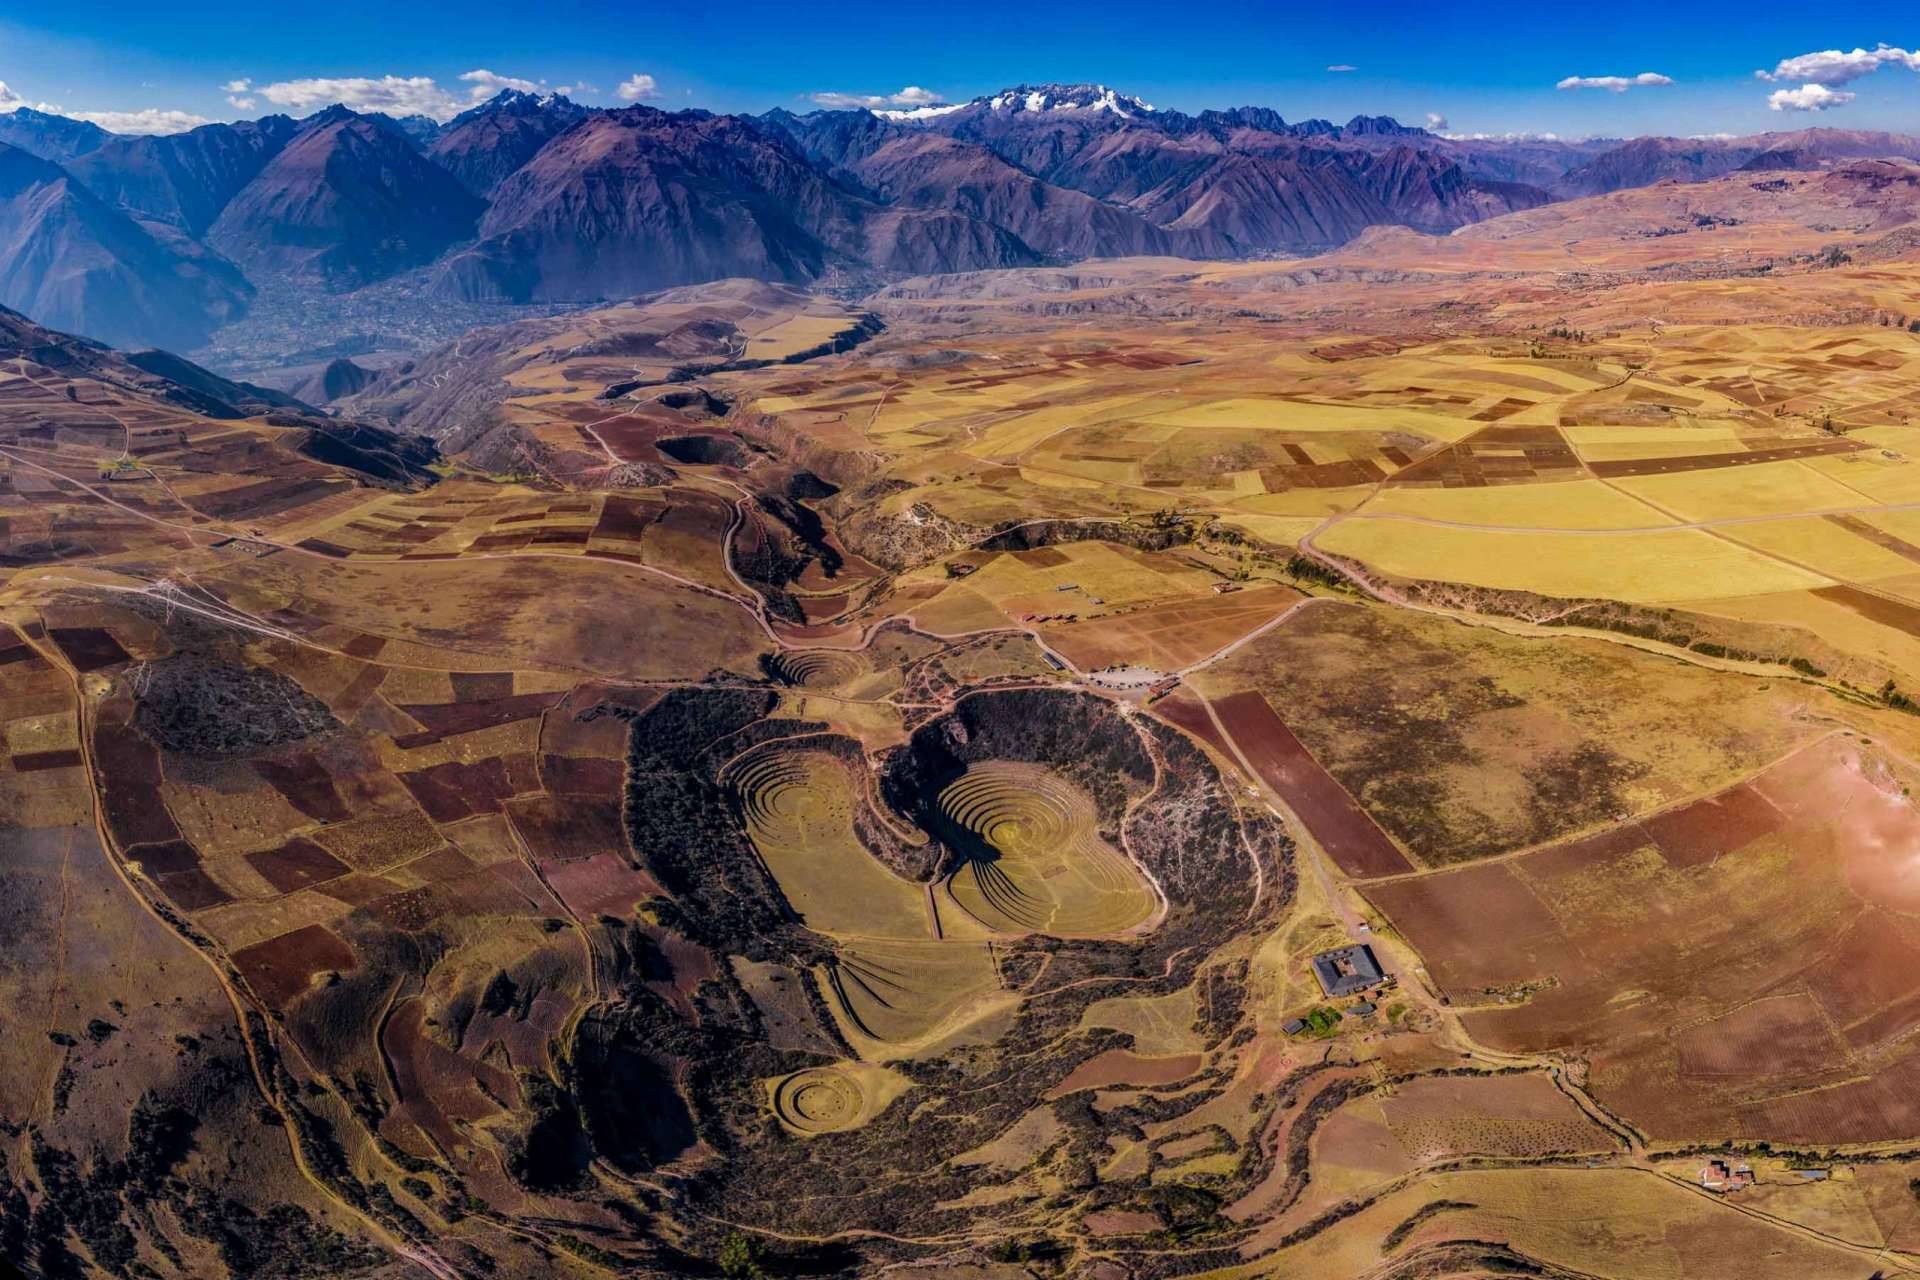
741	1256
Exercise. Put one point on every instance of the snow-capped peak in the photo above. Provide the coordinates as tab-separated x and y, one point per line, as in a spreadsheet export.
1071	97
917	113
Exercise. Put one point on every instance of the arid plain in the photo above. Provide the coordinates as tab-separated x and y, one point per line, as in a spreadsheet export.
869	777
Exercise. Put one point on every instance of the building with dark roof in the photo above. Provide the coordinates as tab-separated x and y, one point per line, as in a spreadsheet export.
1347	970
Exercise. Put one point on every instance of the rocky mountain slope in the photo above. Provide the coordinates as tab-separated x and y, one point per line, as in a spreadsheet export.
70	260
183	179
482	147
536	199
640	199
347	201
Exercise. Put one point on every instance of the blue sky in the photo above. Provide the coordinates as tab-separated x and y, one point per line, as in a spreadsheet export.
1490	69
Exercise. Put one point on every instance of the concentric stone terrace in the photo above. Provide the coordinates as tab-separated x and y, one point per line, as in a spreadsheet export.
792	796
821	1100
1033	860
819	668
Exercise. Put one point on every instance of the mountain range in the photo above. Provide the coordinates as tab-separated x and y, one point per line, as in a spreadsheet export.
537	199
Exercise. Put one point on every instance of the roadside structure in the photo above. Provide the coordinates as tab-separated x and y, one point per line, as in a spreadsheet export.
1347	971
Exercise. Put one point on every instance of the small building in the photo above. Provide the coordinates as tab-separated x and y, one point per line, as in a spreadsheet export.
1725	1175
1348	971
1293	1026
1364	1008
1811	1175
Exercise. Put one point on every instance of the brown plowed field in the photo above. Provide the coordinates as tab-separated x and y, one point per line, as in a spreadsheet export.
1169	637
1710	461
1720	964
1350	837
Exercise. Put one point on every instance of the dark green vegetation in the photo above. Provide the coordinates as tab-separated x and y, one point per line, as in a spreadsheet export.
202	707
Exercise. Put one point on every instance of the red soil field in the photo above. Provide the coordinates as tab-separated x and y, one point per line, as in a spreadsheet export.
572	828
1170	637
1120	1067
1778	916
89	648
626	518
1350	837
601	885
1786	1029
577	775
1712	461
455	790
296	865
37	761
1184	710
281	968
1478	927
446	718
1706	829
306	785
193	889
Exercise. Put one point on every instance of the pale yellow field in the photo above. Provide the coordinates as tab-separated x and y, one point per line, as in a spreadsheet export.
1572	504
1091	571
1304	415
1766	488
1876	476
1831	621
1277	530
1642	568
795	334
1696	435
1587	1220
1014	436
1824	546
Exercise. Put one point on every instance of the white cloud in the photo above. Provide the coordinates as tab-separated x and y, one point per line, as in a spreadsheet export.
1436	122
236	86
1503	137
1808	97
1615	84
1342	67
488	83
146	120
1831	66
637	86
911	96
396	95
239	103
11	101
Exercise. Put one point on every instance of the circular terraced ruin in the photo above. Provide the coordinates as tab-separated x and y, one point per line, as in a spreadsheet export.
1034	860
819	1100
818	668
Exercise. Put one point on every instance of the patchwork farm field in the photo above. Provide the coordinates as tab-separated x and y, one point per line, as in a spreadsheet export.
864	784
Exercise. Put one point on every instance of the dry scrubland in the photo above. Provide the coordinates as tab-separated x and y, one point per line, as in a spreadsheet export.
868	779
